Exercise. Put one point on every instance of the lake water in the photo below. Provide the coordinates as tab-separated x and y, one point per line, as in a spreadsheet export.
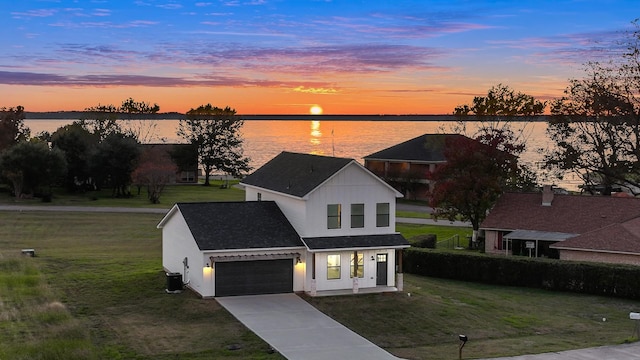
264	139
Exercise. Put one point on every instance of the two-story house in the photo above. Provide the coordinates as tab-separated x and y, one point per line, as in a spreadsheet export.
310	223
407	166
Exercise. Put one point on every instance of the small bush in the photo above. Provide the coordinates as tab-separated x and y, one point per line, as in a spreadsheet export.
425	241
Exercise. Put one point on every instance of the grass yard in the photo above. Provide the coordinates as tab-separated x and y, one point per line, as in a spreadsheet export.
170	195
499	321
95	290
442	232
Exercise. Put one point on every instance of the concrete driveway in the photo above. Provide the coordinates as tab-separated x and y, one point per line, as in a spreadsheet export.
297	330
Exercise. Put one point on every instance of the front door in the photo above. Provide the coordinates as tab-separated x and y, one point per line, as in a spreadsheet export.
381	269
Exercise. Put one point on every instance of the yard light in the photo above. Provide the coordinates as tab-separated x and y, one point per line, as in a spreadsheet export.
463	340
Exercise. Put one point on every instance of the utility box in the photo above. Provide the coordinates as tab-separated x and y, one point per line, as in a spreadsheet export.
174	283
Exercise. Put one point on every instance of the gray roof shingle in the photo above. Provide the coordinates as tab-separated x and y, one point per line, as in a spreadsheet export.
239	225
353	242
294	173
425	148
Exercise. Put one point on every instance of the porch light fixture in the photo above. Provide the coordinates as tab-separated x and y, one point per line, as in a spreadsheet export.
373	258
298	260
208	265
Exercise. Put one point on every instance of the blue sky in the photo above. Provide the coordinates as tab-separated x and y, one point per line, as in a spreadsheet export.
269	56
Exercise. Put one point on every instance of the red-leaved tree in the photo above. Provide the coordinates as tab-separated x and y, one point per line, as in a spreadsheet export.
155	170
473	178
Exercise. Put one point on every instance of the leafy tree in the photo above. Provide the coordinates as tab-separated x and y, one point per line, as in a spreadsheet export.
472	180
595	126
216	132
29	166
503	116
77	144
155	170
12	127
101	120
144	130
113	162
481	167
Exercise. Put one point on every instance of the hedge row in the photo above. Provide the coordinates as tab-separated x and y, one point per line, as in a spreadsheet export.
586	278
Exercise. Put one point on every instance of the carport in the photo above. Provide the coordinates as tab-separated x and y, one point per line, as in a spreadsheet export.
532	240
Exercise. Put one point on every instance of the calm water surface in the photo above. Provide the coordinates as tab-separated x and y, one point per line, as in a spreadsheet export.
265	139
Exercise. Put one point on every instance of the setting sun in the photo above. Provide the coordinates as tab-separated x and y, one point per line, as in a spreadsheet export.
315	110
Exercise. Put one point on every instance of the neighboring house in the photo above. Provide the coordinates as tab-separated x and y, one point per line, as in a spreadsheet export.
184	156
569	227
407	166
310	223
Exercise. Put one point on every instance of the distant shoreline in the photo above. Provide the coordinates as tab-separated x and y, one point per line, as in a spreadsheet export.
66	115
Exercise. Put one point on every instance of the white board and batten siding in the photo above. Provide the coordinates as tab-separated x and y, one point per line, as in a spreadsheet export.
178	244
352	185
346	281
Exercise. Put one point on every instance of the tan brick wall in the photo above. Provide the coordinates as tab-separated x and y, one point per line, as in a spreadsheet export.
600	257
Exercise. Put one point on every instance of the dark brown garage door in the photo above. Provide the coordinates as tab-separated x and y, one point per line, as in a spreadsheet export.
254	277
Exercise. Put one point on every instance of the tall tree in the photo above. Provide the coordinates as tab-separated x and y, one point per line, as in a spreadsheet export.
216	132
12	127
144	130
502	116
78	145
31	165
113	162
473	178
101	120
595	126
479	168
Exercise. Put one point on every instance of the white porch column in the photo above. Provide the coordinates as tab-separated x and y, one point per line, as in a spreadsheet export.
400	281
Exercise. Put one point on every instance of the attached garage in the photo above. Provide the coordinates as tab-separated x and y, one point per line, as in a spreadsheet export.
254	277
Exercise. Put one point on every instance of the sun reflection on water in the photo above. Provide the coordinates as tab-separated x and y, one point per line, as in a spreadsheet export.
316	134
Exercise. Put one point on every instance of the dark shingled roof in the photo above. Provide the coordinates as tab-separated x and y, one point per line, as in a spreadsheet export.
353	242
568	213
295	174
239	225
425	148
623	237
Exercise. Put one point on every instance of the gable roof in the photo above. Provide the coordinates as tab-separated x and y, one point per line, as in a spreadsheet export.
237	225
571	214
619	238
299	174
424	148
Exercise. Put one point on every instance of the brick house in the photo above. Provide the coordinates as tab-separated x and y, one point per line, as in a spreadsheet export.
569	227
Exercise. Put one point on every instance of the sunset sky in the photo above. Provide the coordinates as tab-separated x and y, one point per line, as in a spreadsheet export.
284	56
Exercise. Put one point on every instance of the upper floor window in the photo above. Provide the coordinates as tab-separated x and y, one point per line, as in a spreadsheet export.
259	196
334	213
357	215
382	214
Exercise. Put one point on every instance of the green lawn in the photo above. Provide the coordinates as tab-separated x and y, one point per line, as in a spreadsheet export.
95	290
171	195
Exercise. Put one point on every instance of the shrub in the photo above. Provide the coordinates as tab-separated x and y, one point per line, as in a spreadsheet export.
425	241
587	278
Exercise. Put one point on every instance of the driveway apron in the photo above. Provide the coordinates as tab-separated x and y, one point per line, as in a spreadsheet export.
297	330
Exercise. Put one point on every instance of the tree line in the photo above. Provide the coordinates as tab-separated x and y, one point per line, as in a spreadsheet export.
101	151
